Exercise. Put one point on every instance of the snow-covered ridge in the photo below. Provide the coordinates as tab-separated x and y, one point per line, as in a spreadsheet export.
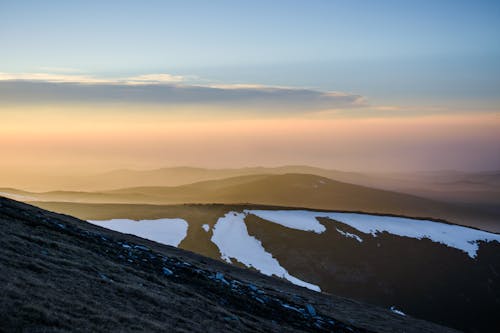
462	238
165	231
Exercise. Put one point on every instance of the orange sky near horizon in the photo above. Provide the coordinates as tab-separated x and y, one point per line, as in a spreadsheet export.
104	139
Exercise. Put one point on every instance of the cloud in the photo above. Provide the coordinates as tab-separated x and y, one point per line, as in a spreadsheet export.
165	89
154	78
64	77
51	77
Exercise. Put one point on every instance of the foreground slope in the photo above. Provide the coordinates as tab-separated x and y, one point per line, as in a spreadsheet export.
63	274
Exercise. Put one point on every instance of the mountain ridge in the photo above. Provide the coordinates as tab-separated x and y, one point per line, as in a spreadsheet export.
291	190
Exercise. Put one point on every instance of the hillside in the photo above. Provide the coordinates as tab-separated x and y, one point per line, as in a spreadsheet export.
435	271
170	176
290	190
63	274
447	185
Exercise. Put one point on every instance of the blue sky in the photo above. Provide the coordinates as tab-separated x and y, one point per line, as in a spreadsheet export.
392	52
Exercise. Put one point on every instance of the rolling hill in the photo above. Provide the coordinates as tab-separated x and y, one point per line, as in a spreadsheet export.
290	190
446	185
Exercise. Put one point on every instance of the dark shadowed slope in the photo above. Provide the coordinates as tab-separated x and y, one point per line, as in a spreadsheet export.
63	274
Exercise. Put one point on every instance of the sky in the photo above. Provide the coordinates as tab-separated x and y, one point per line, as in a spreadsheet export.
353	85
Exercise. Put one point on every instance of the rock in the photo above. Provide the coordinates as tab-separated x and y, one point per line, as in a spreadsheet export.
310	309
290	307
104	277
220	277
253	288
231	318
141	247
260	300
167	271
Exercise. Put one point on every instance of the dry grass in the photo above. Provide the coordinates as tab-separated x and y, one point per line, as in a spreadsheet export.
59	275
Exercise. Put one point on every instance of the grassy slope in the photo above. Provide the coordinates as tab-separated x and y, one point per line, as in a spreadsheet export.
61	274
419	276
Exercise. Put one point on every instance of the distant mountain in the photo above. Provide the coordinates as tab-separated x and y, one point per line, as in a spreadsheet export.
291	190
440	272
451	186
447	185
60	274
171	176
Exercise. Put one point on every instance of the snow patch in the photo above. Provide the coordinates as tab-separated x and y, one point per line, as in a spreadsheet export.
348	234
294	219
231	236
461	238
206	227
396	311
165	231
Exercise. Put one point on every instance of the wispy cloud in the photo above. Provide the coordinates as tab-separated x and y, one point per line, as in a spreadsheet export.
154	78
166	89
52	78
62	75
